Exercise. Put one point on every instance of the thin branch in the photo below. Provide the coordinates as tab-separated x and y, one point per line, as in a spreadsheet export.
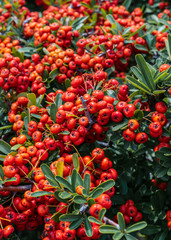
15	188
86	110
109	221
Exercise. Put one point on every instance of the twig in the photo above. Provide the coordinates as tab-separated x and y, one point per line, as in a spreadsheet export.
108	221
15	188
86	110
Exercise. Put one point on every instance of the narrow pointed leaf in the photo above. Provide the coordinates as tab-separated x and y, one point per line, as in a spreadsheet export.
76	224
88	227
86	183
70	217
136	227
64	182
108	229
121	221
130	237
118	236
147	75
138	84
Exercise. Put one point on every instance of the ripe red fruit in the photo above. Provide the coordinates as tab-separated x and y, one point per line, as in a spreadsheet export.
141	137
128	135
95	210
129	110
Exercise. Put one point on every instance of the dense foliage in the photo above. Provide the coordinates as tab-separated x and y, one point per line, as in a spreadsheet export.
85	90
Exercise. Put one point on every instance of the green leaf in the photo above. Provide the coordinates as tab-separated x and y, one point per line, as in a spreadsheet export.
97	192
5	127
136	227
168	45
120	126
108	229
140	47
53	111
15	147
49	175
151	229
94	220
4	147
118	235
54	73
78	23
147	75
86	183
138	114
32	98
45	51
103	12
130	237
113	22
56	216
36	116
10	179
102	213
157	92
76	224
41	193
88	227
16	53
80	199
58	100
169	172
64	182
127	3
76	162
138	84
102	47
39	100
70	217
1	173
65	195
121	221
60	167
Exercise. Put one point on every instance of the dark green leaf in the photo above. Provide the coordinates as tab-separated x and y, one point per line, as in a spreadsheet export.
138	114
70	217
97	192
40	193
147	75
76	224
118	235
88	227
4	147
94	220
54	73
49	175
76	162
78	23
53	111
130	237
65	195
1	173
86	183
102	213
136	227
121	221
80	200
138	84
64	182
127	3
108	229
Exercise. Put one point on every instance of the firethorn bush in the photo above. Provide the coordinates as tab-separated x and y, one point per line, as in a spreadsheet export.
85	109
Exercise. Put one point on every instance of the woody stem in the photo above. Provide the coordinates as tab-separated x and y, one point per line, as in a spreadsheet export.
15	188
